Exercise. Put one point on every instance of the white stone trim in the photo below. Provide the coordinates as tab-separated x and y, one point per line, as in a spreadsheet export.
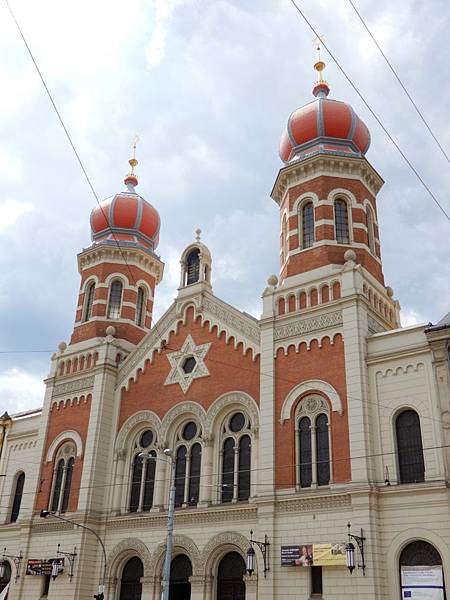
89	280
69	434
133	423
310	386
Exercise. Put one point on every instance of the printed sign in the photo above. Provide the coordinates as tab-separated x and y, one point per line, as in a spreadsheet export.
329	555
44	566
422	583
307	555
297	556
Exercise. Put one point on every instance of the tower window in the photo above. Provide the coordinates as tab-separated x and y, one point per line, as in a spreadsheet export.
89	302
140	305
193	266
307	225
115	300
370	230
284	241
341	222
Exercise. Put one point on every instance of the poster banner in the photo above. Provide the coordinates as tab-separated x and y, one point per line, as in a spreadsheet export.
422	583
329	555
297	556
44	566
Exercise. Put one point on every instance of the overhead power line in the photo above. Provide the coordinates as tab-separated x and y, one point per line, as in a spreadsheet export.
375	116
396	75
72	145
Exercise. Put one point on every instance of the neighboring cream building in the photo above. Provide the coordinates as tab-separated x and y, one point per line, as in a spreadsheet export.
322	412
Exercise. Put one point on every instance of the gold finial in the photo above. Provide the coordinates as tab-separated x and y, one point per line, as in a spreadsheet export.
319	65
133	160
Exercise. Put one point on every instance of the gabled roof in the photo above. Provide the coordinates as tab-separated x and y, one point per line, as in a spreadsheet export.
442	324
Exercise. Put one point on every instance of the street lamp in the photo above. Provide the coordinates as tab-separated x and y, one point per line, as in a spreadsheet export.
100	595
264	547
350	550
170	513
17	560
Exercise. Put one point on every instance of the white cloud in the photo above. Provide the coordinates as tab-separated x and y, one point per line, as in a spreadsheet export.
156	47
11	211
409	316
20	390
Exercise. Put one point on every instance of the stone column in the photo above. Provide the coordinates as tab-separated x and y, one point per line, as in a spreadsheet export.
206	470
148	588
251	586
161	474
197	587
119	482
111	588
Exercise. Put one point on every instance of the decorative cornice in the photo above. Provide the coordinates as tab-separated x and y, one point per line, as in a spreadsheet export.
138	257
374	326
317	166
73	386
302	326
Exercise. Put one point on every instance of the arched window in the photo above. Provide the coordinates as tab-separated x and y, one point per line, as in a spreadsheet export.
313	445
140	306
307	225
421	554
341	221
236	458
89	301
193	266
230	577
62	478
115	299
188	465
20	482
143	472
370	230
409	447
180	572
130	585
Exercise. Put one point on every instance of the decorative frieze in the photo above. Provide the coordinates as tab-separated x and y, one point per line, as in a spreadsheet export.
374	326
73	386
302	326
300	505
229	316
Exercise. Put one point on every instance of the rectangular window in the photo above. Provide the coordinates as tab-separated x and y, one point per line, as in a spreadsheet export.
316	582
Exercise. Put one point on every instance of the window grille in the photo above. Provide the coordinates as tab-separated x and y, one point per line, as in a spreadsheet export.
308	225
140	305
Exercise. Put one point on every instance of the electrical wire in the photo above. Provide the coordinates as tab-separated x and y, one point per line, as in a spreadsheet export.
72	145
405	158
394	72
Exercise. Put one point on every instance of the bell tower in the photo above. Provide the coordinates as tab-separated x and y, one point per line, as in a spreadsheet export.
119	270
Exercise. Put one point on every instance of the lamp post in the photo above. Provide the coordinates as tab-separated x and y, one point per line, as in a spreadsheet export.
101	588
170	513
350	550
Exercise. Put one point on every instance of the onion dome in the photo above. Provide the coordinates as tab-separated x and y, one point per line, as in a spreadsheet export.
323	126
126	218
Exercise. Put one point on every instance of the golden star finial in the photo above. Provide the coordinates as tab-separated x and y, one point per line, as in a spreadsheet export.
319	65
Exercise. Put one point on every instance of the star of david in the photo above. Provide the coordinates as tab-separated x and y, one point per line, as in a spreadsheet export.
187	364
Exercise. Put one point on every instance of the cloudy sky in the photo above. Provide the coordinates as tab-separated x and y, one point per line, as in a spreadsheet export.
207	85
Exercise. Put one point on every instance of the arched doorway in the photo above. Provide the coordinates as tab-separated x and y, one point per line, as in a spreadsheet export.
421	566
180	571
230	583
6	577
130	585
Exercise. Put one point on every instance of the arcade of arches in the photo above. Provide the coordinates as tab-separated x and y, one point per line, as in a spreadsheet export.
230	578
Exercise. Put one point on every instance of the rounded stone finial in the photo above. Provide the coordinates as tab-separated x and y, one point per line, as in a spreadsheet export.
110	330
272	280
198	233
350	255
389	291
62	346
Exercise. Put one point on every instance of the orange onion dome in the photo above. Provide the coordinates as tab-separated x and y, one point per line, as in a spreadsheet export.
323	126
126	218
